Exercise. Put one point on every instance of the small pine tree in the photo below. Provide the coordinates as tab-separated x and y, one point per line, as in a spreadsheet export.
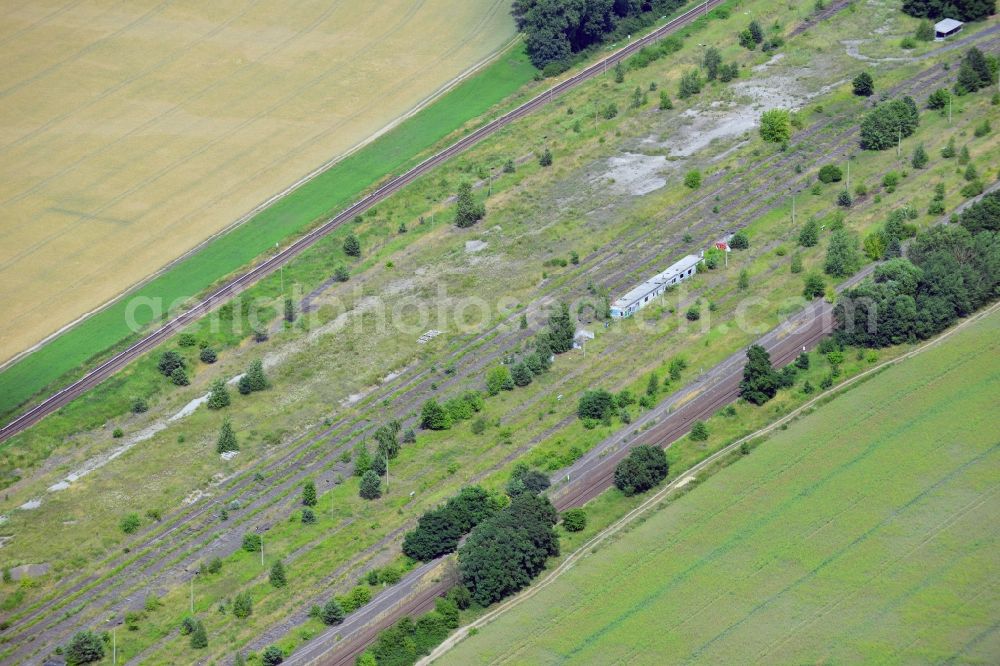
919	157
744	280
308	516
619	72
467	210
219	395
362	459
653	385
341	274
199	637
332	613
289	310
277	576
665	102
256	379
963	156
227	438
546	158
371	486
699	431
521	374
796	263
809	236
948	151
309	493
352	246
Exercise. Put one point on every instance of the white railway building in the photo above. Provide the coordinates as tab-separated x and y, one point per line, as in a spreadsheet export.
639	297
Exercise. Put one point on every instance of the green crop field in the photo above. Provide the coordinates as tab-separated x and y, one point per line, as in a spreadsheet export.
333	189
866	532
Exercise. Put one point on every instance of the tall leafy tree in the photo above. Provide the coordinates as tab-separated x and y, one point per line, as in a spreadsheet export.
760	380
842	256
889	122
644	467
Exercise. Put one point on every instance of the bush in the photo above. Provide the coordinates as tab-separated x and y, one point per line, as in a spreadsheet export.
939	99
830	173
130	523
498	379
169	362
272	656
693	313
341	274
574	520
692	179
610	111
251	542
740	240
308	516
117	433
139	406
690	84
208	355
434	417
243	605
644	467
844	199
983	128
699	431
925	31
596	404
775	126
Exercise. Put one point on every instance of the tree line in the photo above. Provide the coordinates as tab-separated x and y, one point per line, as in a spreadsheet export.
556	30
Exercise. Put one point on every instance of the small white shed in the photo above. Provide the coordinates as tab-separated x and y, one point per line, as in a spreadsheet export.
945	28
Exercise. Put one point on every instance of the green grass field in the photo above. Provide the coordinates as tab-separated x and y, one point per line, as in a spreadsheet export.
392	153
865	532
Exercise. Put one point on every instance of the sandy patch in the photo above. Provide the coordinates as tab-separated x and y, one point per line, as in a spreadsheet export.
635	174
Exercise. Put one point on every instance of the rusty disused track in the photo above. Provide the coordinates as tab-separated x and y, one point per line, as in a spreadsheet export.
271	264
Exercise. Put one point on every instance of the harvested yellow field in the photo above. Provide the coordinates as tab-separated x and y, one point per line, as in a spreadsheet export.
132	131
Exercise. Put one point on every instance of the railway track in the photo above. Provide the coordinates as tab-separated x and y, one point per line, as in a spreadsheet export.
666	434
297	247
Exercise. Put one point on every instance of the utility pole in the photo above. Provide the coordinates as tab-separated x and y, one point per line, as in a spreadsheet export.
949	107
387	471
899	141
192	593
114	645
262	549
